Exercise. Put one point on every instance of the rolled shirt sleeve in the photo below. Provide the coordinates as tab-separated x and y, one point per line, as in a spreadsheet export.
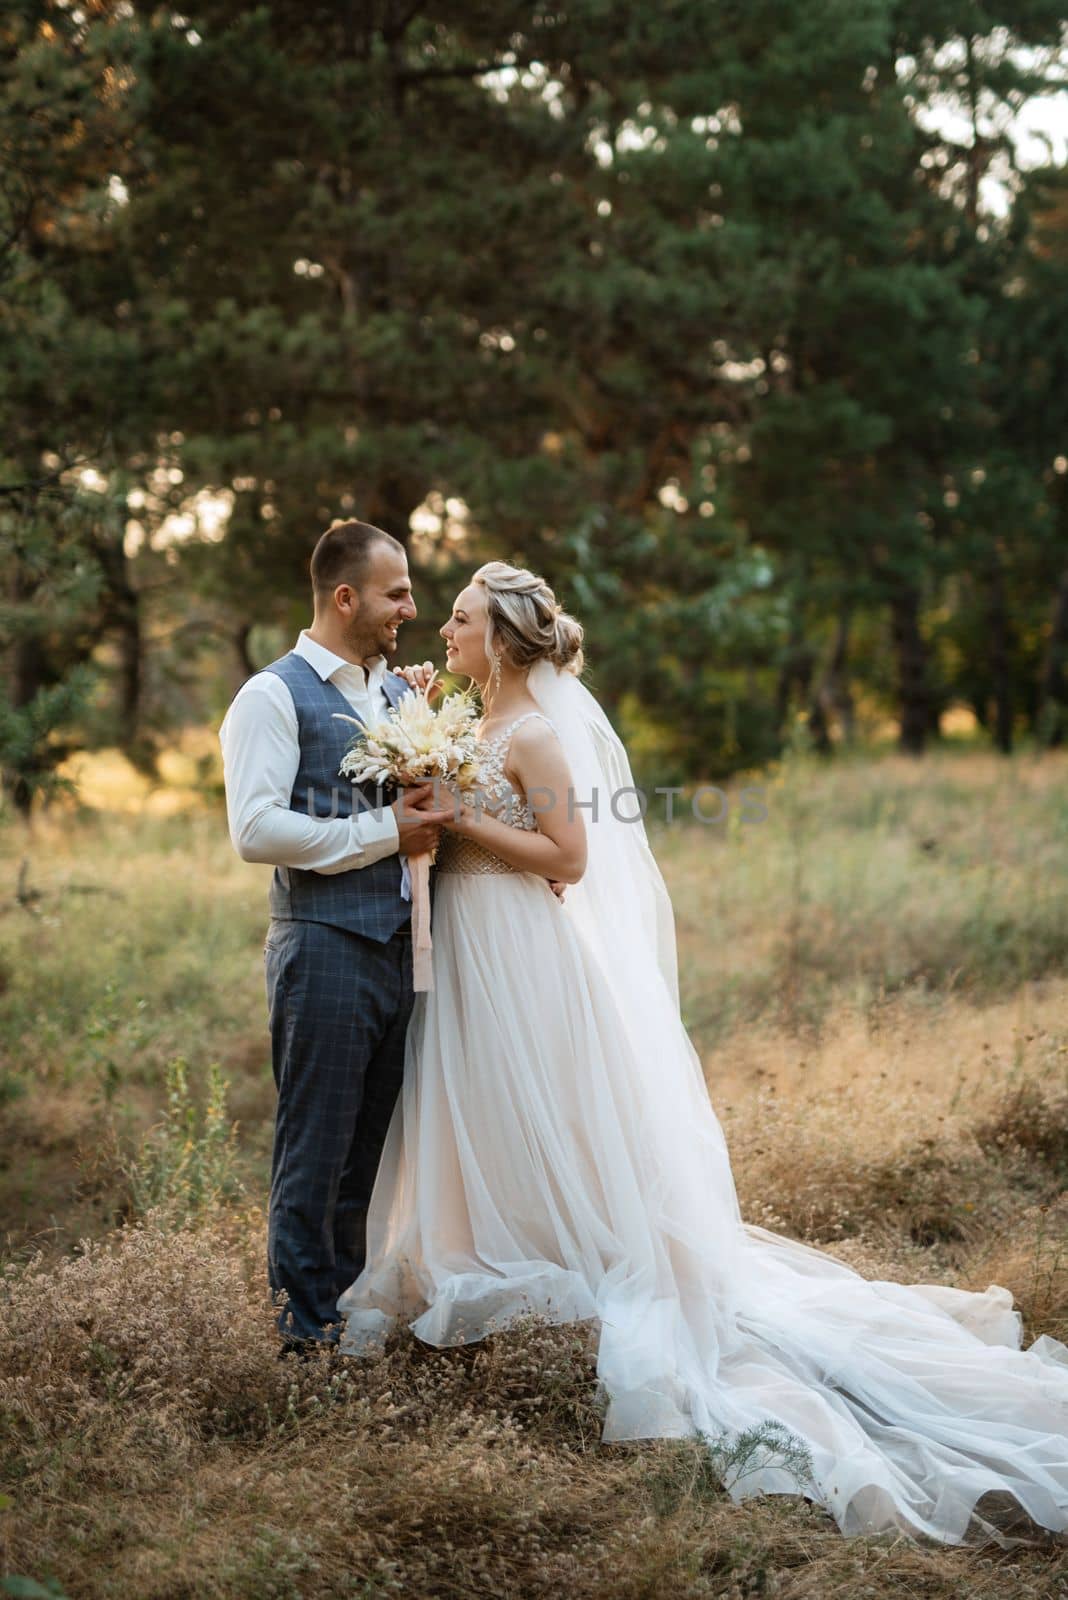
261	754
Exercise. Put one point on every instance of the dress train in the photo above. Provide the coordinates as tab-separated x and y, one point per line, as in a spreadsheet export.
554	1153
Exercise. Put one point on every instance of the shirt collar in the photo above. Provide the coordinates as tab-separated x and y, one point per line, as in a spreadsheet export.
326	663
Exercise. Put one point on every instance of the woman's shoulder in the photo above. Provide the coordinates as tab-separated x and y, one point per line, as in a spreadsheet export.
535	750
532	730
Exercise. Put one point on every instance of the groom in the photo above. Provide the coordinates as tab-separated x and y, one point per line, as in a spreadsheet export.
338	953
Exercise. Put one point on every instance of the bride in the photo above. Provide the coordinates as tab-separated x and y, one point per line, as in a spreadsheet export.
554	1151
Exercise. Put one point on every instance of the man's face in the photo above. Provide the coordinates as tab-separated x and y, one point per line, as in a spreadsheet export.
382	603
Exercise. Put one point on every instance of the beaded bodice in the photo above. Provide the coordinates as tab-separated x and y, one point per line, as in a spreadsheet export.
498	798
497	795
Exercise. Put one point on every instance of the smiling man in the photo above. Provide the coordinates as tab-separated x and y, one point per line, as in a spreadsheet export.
338	952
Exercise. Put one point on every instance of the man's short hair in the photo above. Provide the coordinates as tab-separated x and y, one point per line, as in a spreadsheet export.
343	555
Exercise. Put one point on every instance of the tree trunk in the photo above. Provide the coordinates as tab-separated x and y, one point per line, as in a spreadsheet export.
911	651
28	675
135	742
797	667
122	614
241	638
1000	656
833	700
817	725
1053	715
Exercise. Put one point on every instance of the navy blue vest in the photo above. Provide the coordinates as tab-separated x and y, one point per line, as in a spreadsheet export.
367	899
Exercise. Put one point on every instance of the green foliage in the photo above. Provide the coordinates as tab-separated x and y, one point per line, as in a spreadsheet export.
72	397
29	742
699	1470
30	1589
703	316
185	1165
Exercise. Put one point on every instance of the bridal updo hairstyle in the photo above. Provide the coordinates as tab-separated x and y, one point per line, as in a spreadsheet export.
525	620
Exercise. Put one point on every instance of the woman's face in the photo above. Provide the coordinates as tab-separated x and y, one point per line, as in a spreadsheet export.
465	635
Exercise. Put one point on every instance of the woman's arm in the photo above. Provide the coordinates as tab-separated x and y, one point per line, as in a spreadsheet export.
558	848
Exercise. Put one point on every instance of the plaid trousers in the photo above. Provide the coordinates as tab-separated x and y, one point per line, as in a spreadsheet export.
339	1005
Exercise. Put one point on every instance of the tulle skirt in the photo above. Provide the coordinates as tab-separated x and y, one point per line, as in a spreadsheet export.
554	1151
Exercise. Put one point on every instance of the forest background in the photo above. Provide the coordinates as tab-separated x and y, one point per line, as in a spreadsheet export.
745	324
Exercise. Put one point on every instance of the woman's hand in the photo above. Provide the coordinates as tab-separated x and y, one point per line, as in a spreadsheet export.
420	815
462	818
418	677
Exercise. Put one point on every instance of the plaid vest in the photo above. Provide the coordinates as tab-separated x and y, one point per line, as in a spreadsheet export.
364	900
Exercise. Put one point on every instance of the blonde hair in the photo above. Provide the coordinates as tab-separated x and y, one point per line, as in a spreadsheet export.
524	616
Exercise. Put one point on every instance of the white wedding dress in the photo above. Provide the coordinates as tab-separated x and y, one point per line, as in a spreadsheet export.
554	1151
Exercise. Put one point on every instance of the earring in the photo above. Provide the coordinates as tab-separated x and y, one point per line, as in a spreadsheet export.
495	671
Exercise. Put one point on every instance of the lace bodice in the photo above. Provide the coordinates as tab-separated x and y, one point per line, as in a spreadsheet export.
498	796
499	799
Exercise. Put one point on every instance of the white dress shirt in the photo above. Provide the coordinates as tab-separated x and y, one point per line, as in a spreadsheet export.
261	754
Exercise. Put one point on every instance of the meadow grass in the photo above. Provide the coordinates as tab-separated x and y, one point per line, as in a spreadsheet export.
877	978
867	878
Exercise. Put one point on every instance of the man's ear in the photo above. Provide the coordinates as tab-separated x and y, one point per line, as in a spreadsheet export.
347	599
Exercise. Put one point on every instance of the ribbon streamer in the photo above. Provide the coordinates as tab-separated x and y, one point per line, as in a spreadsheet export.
422	963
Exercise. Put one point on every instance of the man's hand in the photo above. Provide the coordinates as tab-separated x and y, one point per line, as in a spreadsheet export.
559	889
419	677
419	824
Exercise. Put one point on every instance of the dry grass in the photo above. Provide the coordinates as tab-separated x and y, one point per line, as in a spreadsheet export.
885	1032
907	1164
146	1371
156	1447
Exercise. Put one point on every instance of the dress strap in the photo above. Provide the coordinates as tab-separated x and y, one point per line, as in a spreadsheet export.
512	726
525	718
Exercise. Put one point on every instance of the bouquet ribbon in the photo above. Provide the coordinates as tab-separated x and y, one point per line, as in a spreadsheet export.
415	886
422	961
